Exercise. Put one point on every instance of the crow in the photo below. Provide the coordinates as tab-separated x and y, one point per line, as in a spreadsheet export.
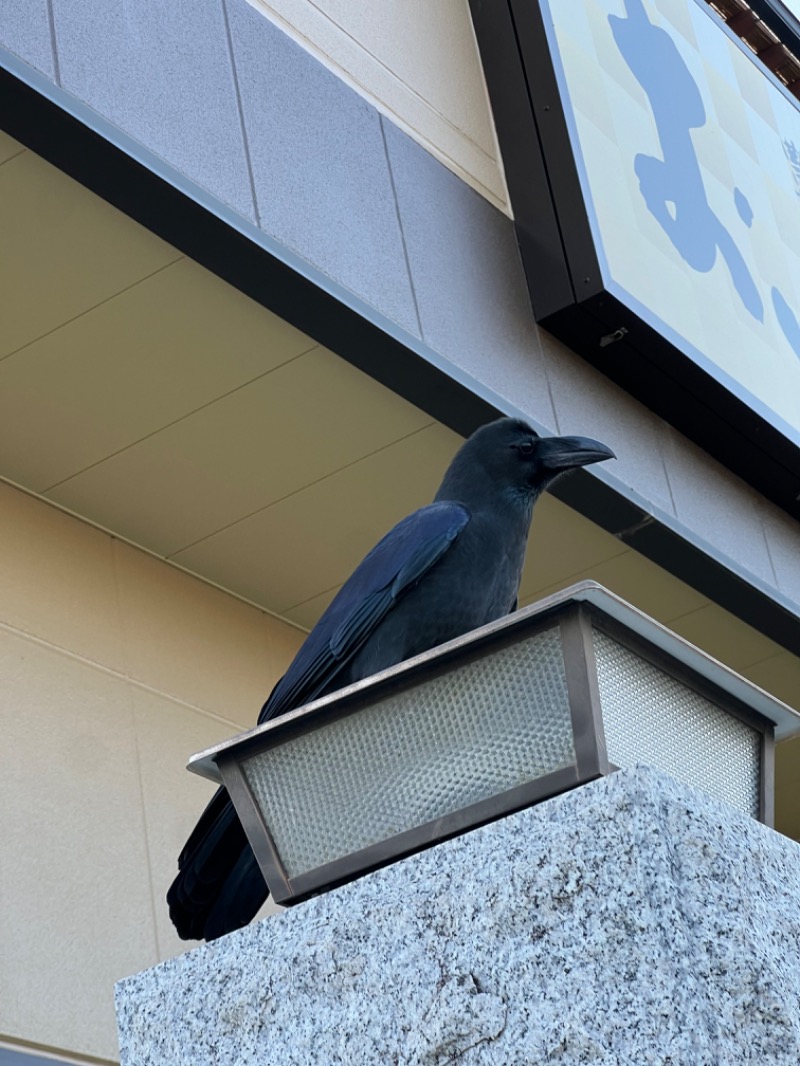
444	570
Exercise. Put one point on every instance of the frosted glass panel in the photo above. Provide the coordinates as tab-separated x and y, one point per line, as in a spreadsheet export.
651	717
486	727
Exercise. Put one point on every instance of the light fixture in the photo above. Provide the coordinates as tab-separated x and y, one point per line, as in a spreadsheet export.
569	689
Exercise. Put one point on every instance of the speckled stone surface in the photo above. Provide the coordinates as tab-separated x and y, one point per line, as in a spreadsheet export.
632	921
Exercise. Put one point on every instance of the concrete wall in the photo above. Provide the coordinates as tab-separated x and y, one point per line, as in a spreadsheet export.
260	123
115	668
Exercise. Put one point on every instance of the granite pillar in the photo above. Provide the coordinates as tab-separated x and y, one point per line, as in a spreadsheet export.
633	920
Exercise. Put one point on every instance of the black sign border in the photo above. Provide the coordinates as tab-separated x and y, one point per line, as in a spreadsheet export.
563	271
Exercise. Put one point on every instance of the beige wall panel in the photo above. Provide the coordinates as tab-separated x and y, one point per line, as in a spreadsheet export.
302	559
168	733
142	360
93	788
76	910
195	642
57	579
283	642
9	147
326	414
417	62
44	217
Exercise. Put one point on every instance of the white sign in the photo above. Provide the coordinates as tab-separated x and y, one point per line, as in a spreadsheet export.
793	6
690	162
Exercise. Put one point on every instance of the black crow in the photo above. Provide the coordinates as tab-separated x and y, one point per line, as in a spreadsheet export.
446	569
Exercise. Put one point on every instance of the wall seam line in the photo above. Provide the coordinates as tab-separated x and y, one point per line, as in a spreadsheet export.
88	310
146	831
771	561
122	631
176	421
240	110
118	675
51	22
400	225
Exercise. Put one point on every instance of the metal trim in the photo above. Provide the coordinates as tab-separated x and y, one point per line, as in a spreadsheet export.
783	23
577	612
538	234
681	671
726	701
767	783
256	829
648	633
405	675
607	610
558	157
584	695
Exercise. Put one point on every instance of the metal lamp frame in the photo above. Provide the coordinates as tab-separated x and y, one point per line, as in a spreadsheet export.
576	612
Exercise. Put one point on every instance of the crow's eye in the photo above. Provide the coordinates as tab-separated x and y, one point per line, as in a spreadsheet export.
525	447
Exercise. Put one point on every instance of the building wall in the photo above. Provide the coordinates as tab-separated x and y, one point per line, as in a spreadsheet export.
255	119
418	63
116	667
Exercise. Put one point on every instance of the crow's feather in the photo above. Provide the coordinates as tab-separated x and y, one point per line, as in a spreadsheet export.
444	570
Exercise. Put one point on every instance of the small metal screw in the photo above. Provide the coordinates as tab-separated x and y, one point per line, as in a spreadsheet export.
612	338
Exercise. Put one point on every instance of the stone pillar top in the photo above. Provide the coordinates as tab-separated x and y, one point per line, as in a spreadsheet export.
632	920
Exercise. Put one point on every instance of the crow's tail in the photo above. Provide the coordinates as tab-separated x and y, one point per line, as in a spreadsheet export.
219	886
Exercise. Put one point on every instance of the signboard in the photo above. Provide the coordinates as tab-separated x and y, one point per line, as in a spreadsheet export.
671	167
792	6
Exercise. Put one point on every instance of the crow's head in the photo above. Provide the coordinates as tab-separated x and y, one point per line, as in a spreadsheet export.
509	457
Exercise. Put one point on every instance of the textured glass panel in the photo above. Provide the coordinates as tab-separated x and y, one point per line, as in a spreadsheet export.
652	718
417	755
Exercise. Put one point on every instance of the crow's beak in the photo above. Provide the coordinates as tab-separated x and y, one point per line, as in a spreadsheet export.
564	453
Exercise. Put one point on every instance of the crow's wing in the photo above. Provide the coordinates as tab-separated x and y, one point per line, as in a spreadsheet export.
219	886
394	565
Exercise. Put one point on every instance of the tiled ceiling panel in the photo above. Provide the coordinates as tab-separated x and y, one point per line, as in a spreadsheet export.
360	502
629	574
63	250
9	147
559	546
265	441
166	346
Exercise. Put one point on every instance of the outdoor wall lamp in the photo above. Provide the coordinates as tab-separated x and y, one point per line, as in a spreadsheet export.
571	688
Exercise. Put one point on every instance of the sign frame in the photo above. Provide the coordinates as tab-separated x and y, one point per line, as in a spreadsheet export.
563	268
